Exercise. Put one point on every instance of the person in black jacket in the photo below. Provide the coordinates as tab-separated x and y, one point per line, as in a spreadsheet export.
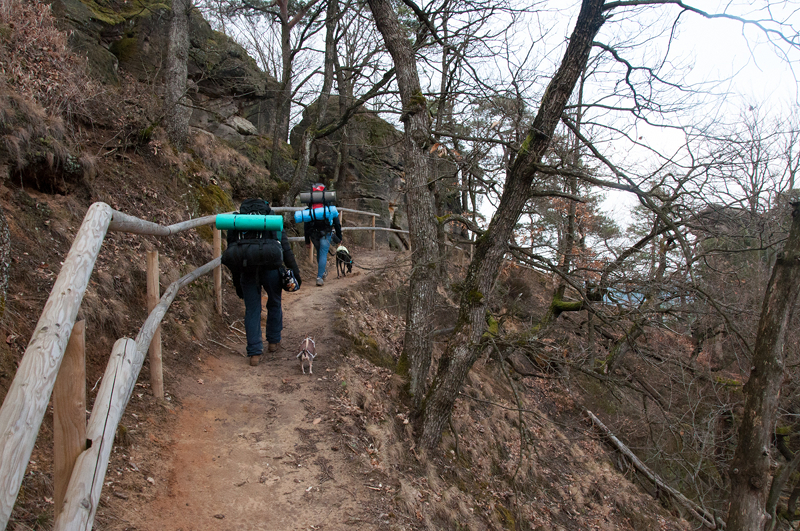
320	233
248	282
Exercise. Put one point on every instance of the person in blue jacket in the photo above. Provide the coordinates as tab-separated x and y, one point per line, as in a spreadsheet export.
320	233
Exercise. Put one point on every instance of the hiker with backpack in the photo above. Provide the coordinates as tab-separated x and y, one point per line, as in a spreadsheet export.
261	258
320	232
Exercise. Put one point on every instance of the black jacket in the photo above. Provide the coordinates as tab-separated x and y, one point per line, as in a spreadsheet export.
288	259
322	227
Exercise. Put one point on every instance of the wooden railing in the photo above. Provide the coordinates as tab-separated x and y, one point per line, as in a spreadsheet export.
27	399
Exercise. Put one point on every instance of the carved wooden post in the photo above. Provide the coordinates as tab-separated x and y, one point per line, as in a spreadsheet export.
373	233
218	271
69	412
153	295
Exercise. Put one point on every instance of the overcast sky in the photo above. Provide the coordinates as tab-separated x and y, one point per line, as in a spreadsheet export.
725	50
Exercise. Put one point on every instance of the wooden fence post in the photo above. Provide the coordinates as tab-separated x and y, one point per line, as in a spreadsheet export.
218	271
373	233
69	412
153	295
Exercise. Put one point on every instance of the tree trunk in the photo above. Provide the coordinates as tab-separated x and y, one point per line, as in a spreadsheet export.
344	79
176	114
778	482
283	104
749	470
418	343
301	169
464	346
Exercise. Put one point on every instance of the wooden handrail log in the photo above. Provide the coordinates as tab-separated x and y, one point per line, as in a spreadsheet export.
362	212
122	222
26	402
302	238
27	398
387	229
154	319
127	358
340	209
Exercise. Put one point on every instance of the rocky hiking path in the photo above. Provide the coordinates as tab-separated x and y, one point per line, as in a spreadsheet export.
257	448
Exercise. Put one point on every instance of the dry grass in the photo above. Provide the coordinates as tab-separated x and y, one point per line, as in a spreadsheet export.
495	468
51	111
219	160
29	134
37	62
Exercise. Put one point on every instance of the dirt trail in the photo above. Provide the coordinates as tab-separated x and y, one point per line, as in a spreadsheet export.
256	448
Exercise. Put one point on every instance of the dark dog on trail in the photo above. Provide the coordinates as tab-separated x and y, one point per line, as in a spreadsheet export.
344	263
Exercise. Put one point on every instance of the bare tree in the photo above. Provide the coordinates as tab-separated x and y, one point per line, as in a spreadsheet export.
297	24
301	168
176	113
418	343
464	347
750	468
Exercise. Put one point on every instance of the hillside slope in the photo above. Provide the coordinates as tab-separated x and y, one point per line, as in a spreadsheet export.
239	447
517	455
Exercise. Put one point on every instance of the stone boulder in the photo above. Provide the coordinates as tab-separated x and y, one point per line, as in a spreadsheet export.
373	178
226	86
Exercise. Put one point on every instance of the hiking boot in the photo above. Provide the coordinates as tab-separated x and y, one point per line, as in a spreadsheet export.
320	281
273	347
254	360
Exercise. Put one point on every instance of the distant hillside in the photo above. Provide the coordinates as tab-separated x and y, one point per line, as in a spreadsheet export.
80	122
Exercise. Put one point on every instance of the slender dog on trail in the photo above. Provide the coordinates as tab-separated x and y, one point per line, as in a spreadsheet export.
307	354
344	263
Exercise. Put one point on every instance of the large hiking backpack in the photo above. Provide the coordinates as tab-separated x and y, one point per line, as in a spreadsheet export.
252	247
323	223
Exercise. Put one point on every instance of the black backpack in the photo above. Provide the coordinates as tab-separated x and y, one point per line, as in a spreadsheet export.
254	248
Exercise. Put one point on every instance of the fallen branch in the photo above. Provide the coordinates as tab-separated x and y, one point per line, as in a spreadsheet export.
705	517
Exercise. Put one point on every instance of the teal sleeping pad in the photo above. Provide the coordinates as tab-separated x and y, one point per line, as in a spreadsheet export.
249	222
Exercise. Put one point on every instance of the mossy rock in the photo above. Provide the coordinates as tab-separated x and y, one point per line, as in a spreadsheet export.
211	199
366	347
124	49
505	516
113	13
727	382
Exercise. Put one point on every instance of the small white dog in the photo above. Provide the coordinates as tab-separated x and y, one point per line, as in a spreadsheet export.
307	354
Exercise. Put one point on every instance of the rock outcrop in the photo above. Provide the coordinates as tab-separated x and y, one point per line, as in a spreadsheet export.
372	178
233	100
227	88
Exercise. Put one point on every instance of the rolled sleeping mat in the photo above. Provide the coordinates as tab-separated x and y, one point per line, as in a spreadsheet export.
249	222
325	197
326	212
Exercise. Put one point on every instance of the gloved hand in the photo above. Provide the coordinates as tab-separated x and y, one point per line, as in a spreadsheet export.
290	282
